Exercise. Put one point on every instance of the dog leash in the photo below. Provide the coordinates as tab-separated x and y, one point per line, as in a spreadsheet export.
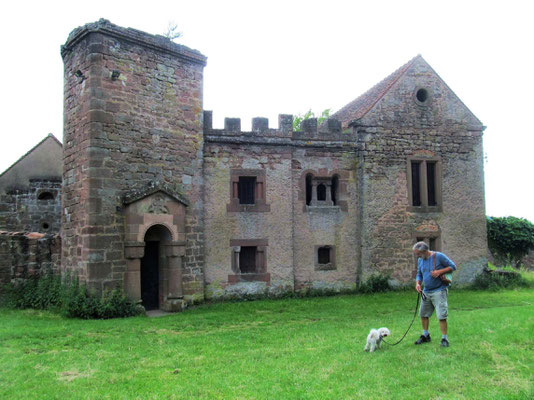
413	319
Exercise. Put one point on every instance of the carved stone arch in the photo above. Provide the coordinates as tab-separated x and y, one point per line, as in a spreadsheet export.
172	231
144	212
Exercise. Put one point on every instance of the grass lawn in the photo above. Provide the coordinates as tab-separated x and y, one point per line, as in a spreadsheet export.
276	349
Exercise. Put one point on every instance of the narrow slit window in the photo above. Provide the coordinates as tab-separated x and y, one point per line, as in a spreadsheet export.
416	183
334	190
321	192
308	189
431	183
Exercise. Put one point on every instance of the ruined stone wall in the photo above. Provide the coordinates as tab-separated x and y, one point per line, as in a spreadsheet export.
33	209
133	114
441	128
24	254
289	230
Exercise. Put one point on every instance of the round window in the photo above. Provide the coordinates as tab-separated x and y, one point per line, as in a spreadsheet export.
422	96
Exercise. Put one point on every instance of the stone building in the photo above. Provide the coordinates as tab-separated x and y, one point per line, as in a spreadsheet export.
156	200
30	190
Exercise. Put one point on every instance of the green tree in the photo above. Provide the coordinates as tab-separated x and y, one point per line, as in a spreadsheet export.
510	239
297	120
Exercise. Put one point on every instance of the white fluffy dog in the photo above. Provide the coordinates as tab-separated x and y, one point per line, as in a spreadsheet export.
374	339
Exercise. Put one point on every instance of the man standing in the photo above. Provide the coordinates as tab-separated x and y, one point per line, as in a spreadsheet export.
430	266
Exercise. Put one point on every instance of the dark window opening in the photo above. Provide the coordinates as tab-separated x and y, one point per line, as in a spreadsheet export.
432	242
422	95
416	183
321	192
45	226
308	189
335	182
324	255
45	196
247	186
247	259
431	183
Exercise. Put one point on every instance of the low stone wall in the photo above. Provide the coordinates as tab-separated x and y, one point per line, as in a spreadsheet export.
27	253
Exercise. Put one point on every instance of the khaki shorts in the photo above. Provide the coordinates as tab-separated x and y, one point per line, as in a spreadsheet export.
436	300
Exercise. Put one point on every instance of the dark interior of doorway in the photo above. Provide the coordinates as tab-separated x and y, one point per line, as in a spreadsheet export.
150	276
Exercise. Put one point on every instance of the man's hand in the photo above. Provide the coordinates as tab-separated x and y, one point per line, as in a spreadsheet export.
418	287
436	273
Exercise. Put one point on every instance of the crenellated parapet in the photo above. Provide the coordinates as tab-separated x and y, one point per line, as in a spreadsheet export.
329	133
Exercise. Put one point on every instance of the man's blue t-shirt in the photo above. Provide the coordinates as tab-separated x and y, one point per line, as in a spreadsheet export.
425	267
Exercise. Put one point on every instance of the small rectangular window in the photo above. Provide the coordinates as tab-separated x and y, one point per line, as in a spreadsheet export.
325	258
247	259
247	187
324	255
416	183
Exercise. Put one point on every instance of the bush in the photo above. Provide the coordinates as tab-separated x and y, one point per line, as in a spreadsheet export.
38	292
49	292
510	239
499	279
376	283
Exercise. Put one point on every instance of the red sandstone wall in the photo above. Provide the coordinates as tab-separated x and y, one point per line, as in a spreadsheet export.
124	129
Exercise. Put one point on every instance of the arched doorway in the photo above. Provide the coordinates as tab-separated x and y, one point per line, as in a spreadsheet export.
153	266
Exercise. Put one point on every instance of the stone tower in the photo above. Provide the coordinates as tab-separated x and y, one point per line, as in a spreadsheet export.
132	202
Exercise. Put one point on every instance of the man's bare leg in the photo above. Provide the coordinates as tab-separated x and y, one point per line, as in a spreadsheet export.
424	322
442	326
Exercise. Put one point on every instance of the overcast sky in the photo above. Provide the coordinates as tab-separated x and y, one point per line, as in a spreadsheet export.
285	57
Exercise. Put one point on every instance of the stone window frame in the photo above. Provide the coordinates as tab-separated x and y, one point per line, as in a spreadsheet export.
325	267
341	192
423	181
261	273
260	203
